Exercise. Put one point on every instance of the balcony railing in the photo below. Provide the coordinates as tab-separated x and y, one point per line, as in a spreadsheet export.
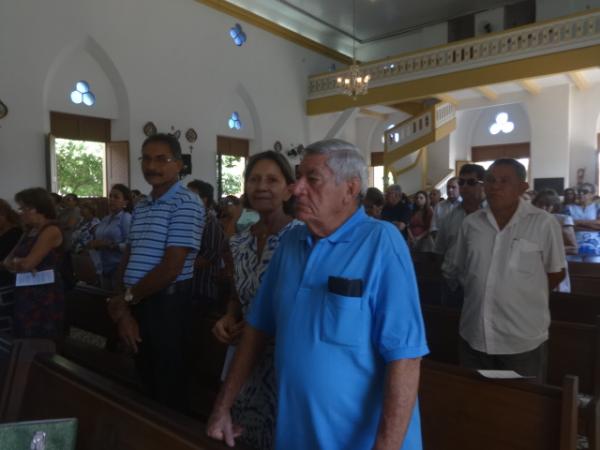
520	43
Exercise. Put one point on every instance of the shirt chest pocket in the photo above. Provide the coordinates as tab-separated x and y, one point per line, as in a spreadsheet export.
525	256
342	320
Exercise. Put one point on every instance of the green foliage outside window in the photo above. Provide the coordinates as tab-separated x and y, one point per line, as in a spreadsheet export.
79	172
231	177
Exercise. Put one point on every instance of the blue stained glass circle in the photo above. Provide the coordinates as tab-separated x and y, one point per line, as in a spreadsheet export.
89	99
231	123
82	86
76	97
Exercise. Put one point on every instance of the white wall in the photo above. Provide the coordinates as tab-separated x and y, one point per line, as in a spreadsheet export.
172	63
585	126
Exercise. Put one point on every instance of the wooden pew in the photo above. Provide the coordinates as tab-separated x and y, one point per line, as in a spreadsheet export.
86	309
109	415
16	356
573	349
578	308
585	277
460	410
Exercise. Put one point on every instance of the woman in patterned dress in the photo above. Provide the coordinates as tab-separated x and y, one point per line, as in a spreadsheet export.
39	309
267	184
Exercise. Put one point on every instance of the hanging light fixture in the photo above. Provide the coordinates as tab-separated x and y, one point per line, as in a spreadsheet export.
354	83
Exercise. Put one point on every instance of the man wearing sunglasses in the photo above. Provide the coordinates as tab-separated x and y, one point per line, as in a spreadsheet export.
470	182
510	256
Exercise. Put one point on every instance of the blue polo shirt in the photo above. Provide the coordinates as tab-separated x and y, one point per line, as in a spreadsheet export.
331	349
176	219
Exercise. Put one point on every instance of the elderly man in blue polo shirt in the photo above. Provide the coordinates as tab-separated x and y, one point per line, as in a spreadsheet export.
158	265
341	300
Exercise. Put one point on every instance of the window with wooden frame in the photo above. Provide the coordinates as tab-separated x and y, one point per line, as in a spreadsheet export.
81	158
232	155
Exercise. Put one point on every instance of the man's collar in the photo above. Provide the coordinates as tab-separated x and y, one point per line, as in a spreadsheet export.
167	195
343	233
523	209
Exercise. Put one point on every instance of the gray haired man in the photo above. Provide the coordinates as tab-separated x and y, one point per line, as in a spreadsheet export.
341	301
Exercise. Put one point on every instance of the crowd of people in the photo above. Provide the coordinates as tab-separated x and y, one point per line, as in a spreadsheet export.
314	271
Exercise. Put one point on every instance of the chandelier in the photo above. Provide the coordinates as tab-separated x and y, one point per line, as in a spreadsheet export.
354	83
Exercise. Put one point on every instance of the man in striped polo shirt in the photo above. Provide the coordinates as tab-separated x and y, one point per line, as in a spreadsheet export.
153	309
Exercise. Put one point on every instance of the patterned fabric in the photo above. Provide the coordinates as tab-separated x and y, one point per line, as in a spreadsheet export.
176	219
39	310
255	406
84	234
248	270
211	249
588	242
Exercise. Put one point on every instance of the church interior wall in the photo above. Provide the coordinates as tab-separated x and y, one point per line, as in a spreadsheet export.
179	68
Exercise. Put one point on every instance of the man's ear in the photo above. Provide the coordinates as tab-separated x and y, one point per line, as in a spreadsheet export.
524	187
353	187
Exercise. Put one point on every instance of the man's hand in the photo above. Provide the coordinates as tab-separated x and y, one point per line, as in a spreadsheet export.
129	331
117	307
221	427
228	329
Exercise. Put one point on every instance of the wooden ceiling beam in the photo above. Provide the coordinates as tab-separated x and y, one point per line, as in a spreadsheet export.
375	114
530	86
578	79
488	93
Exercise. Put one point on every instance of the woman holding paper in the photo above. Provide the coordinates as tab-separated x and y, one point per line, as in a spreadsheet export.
39	297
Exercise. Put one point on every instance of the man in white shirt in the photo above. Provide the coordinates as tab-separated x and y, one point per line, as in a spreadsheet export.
443	208
470	182
510	256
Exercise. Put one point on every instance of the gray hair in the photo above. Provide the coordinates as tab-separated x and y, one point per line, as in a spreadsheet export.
590	186
344	160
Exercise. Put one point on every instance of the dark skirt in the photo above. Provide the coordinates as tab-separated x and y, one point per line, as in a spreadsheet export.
39	311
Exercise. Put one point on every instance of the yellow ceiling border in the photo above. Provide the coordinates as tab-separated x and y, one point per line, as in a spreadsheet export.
530	67
273	28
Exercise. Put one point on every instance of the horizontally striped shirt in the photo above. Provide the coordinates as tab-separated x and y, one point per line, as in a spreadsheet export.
176	219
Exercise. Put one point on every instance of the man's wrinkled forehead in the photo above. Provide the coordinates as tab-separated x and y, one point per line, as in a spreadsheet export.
314	165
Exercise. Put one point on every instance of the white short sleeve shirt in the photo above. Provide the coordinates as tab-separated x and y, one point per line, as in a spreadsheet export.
504	274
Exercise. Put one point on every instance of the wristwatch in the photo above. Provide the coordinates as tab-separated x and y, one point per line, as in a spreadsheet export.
128	295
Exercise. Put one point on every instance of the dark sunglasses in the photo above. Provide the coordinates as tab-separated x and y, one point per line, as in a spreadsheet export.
470	182
583	191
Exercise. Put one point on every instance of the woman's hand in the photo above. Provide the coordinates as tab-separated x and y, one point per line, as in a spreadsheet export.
228	329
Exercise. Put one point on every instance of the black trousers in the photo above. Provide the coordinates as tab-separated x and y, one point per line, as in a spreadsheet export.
533	363
162	360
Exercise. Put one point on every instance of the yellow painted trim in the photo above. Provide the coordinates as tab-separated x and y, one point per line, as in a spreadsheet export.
488	93
447	98
375	114
579	80
424	168
530	86
445	130
390	158
412	108
535	66
273	28
397	173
